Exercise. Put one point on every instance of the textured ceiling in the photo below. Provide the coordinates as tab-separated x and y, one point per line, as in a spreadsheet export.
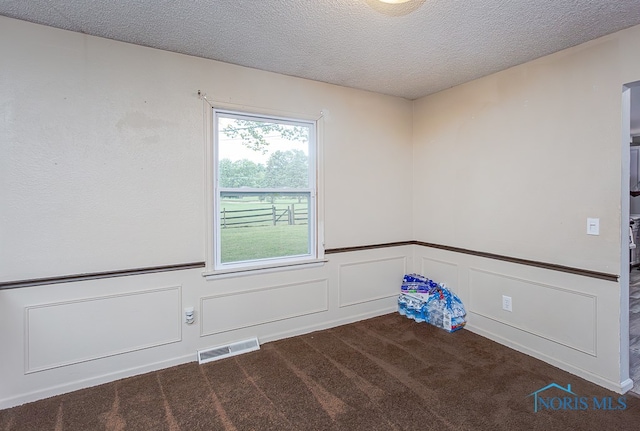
407	50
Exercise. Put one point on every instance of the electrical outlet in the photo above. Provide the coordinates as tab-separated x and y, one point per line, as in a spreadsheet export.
189	318
506	303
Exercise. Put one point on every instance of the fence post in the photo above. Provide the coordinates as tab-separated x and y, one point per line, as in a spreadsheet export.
273	211
224	218
292	214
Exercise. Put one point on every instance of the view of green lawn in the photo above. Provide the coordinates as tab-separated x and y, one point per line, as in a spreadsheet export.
248	232
261	242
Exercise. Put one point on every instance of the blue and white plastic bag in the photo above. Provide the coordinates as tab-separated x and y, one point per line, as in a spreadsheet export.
425	300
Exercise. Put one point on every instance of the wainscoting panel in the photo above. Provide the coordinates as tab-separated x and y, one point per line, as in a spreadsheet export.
561	315
371	280
227	312
440	271
65	333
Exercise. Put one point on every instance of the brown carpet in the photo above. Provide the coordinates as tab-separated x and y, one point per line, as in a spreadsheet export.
386	373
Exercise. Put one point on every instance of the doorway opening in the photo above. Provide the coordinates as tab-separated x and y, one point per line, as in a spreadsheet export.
630	300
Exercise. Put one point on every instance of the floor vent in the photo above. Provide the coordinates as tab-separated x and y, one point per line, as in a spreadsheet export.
227	350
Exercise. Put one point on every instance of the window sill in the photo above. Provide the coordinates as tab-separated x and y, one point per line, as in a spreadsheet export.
256	270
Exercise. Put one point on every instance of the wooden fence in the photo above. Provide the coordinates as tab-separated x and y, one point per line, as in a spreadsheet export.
264	216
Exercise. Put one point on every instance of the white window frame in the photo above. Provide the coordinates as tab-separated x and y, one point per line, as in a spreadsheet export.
214	267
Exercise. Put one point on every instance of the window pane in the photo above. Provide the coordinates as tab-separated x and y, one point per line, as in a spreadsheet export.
265	182
263	225
262	154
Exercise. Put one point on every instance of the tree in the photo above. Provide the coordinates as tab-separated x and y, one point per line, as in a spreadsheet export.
288	169
241	173
254	133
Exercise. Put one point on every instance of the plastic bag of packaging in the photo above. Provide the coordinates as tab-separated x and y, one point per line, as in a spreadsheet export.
423	300
413	278
445	310
414	309
402	305
416	283
412	306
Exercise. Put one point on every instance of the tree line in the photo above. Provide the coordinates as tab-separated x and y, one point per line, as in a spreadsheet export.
284	169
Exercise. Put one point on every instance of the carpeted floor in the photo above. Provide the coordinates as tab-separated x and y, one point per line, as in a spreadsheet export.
386	373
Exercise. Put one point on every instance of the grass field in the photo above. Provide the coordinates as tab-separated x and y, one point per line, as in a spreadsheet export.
255	237
261	242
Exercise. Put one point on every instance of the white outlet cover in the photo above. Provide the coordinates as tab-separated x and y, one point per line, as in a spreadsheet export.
507	303
593	226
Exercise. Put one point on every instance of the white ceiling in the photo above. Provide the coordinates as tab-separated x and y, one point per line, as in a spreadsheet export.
409	50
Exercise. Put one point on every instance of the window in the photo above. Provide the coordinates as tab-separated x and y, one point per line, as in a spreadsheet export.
264	187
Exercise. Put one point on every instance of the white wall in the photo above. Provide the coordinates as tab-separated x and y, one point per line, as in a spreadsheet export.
104	152
513	164
102	168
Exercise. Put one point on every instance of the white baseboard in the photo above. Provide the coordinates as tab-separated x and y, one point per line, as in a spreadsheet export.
326	325
626	386
134	371
619	387
93	381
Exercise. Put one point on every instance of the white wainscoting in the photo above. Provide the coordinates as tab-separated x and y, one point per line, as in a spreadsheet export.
89	329
371	280
561	315
441	271
232	311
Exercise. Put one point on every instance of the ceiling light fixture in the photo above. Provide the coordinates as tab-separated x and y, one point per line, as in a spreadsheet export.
395	7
